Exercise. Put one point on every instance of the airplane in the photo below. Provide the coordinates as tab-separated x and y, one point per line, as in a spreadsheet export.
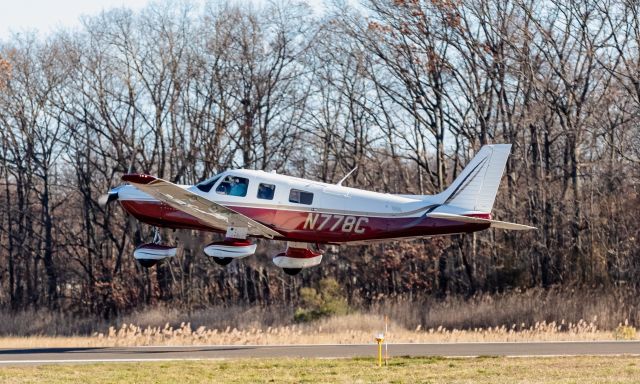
245	204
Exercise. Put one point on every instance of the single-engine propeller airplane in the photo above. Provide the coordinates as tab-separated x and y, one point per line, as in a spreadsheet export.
245	204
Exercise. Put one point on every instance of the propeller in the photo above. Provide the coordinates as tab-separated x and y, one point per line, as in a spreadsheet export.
108	197
112	195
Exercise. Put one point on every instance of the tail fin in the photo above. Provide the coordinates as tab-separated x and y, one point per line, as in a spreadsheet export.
476	187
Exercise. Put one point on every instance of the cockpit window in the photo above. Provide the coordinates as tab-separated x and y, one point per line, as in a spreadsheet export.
205	186
233	186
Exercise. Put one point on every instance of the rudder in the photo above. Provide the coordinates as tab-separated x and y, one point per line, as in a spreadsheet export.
476	187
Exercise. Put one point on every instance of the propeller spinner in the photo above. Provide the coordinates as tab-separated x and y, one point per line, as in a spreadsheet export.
108	197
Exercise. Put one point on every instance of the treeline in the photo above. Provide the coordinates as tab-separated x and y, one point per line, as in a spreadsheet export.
407	91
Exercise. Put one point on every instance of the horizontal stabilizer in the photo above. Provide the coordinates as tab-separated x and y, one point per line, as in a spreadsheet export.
477	220
512	226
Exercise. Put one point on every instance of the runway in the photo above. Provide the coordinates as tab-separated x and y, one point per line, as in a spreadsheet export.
162	353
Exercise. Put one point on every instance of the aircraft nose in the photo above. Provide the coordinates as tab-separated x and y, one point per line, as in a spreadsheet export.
110	196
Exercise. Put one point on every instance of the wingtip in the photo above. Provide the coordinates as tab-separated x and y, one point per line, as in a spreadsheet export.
138	178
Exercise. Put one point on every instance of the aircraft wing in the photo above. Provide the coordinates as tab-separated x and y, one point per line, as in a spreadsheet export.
209	212
469	219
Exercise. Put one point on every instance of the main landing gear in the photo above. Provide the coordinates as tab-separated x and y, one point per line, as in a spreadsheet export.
234	246
224	252
223	261
293	260
297	257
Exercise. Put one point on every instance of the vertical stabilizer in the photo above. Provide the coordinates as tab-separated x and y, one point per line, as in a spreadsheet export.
476	187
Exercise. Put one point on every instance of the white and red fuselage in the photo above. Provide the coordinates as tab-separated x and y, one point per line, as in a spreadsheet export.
247	203
335	215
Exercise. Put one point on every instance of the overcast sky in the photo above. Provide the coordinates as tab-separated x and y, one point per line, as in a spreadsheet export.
47	15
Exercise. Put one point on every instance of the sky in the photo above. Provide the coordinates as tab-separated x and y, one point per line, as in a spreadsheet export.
46	16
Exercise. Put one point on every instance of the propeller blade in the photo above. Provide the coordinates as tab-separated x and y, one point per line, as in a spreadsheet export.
107	198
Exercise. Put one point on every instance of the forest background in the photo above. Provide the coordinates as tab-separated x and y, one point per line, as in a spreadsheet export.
407	91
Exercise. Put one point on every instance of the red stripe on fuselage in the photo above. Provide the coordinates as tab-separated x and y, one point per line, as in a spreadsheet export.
307	226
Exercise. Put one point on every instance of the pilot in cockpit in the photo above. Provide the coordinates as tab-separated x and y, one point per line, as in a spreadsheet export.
239	187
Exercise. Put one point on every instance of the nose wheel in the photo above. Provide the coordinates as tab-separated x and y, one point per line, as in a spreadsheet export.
222	260
150	254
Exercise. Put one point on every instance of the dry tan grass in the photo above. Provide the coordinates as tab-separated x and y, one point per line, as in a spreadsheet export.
534	315
605	309
348	329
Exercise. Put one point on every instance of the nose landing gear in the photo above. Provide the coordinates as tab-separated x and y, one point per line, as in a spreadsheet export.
151	254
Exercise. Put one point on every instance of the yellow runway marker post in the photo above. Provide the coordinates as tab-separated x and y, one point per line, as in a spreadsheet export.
380	339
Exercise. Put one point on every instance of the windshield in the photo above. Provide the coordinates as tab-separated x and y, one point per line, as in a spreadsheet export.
205	186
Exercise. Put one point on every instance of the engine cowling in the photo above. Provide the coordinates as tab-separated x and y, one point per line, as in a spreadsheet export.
223	252
294	260
150	254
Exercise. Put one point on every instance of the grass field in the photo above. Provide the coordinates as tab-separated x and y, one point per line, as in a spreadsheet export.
400	370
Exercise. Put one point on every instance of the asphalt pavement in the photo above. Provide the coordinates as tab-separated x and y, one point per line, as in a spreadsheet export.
162	353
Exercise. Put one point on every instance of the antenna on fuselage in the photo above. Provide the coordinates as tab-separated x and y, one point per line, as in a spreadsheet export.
347	175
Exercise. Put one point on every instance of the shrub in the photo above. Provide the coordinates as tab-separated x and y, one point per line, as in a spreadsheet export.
624	332
327	300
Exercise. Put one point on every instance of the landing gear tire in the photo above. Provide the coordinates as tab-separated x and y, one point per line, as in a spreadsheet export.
222	260
292	271
147	263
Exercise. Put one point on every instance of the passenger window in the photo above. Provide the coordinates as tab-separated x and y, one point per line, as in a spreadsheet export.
233	186
300	197
266	191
